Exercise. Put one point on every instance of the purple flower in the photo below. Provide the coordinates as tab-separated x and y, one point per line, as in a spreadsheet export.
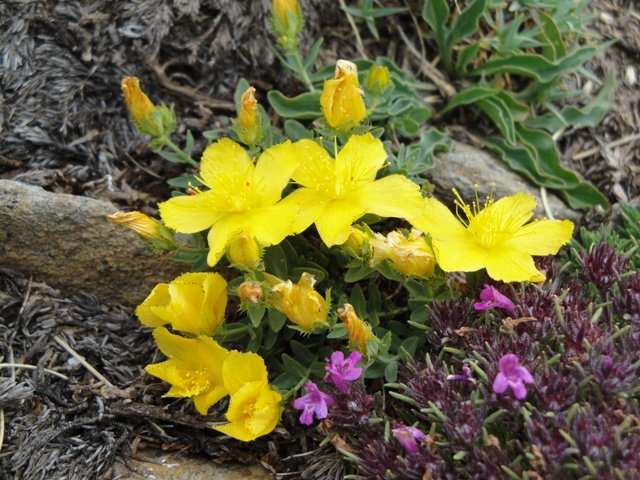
512	375
314	402
492	298
408	437
341	370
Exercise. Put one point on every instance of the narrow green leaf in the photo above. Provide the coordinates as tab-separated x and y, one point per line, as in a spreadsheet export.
276	319
468	96
466	23
436	14
256	313
305	106
499	114
553	35
313	54
466	56
391	372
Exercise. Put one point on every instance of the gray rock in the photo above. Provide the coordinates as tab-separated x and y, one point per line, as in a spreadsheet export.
66	242
465	166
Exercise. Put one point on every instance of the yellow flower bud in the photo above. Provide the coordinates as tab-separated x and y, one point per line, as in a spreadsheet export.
300	302
342	99
358	242
377	79
140	107
359	331
248	125
287	21
251	291
140	223
244	250
410	255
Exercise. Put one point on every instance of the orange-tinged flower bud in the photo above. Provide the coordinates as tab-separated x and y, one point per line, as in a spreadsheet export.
341	99
359	331
140	223
300	302
410	255
377	79
248	124
140	107
251	291
244	250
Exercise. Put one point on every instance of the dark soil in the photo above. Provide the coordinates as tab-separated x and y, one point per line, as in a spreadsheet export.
63	126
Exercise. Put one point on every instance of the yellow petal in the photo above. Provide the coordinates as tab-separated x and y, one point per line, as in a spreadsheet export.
392	196
509	265
359	161
214	304
170	373
203	401
513	211
543	237
240	368
225	165
273	170
183	312
158	296
189	213
271	224
193	351
220	234
310	204
439	222
334	224
462	254
317	170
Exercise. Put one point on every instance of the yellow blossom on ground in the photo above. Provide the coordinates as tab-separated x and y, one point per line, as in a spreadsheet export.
242	197
140	223
248	124
254	410
359	332
342	99
496	237
410	255
194	303
300	302
336	192
194	368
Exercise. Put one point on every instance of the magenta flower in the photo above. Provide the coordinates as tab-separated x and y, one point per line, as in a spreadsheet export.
341	370
408	437
512	375
314	402
492	298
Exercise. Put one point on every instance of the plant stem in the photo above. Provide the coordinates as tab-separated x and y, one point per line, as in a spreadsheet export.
301	70
173	147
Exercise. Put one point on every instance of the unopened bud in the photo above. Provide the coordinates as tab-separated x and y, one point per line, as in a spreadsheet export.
140	223
251	291
341	99
377	79
244	250
248	125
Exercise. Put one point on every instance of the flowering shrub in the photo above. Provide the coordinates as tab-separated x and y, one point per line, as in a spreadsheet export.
432	345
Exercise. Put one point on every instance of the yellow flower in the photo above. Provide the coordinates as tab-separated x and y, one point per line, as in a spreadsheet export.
194	303
359	241
341	99
338	192
496	237
255	407
248	123
140	223
243	197
194	368
243	250
300	302
359	332
410	256
377	79
287	21
140	107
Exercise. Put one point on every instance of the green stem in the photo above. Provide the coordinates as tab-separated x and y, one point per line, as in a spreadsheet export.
302	71
292	391
183	156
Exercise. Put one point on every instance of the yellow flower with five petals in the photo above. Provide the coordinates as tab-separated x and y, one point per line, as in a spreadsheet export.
496	237
194	368
243	198
336	192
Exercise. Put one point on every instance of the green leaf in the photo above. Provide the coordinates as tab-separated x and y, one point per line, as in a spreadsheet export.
255	313
535	66
275	261
466	23
499	114
556	48
241	87
293	365
305	106
295	131
436	14
466	56
356	274
313	54
468	96
301	352
276	319
391	372
184	182
588	116
357	300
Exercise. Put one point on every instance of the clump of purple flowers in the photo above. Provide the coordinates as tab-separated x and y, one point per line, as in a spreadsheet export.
341	370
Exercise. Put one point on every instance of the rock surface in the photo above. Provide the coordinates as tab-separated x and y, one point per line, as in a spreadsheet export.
160	465
66	242
465	166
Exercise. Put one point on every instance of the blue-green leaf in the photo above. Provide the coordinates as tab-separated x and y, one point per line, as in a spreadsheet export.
305	106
